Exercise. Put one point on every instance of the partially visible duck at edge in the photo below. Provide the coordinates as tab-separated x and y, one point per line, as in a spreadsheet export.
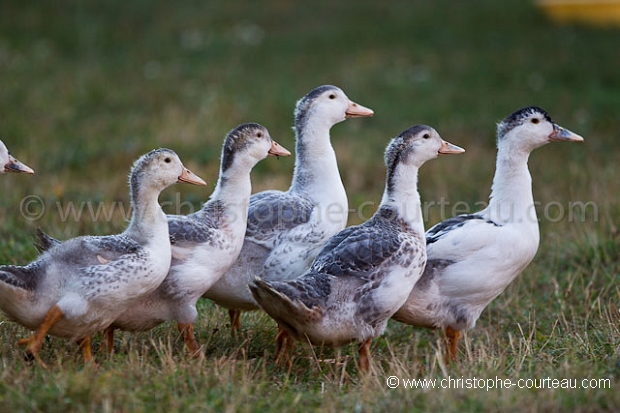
9	164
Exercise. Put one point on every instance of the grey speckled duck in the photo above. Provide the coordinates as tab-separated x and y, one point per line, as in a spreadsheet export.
364	273
204	244
10	164
473	258
287	229
80	286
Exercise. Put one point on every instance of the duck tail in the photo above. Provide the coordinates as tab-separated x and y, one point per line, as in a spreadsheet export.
280	306
12	276
44	242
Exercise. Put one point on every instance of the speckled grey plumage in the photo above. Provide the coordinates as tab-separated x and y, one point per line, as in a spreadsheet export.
272	212
364	273
205	243
93	278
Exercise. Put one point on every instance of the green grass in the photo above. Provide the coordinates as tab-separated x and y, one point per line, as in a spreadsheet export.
87	87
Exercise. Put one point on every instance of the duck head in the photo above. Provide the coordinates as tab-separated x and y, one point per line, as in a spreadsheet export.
330	104
251	142
159	169
531	127
417	145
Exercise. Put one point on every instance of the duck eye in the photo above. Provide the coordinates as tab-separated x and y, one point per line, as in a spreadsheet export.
426	136
535	121
167	160
332	96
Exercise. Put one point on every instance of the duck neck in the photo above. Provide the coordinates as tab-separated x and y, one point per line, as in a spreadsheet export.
148	221
316	173
232	192
401	196
511	197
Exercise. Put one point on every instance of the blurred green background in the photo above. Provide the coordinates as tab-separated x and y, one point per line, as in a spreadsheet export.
88	86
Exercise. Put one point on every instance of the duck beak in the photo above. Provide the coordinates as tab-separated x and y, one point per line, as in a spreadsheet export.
561	134
278	150
16	166
357	111
189	177
448	148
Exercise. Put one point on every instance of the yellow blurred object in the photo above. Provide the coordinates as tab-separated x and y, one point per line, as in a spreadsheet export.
596	12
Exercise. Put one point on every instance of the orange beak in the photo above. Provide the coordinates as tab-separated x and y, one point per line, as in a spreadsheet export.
448	148
191	178
278	150
357	111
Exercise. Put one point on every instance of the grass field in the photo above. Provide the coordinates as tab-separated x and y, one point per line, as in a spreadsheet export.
86	87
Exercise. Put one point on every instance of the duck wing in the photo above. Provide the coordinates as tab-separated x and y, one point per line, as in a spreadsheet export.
359	251
93	250
186	231
83	253
273	212
457	238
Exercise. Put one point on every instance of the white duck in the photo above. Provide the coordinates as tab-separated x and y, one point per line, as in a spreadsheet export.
10	164
472	258
204	244
364	273
80	286
287	229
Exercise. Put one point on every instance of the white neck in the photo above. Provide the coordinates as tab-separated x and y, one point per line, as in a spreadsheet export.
316	172
511	197
148	220
401	194
233	190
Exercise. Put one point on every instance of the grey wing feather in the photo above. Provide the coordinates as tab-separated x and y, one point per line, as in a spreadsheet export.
443	228
88	250
358	250
272	212
186	230
312	289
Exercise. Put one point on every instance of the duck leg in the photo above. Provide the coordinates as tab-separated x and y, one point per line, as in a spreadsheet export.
364	352
107	343
189	338
235	321
283	343
452	337
34	342
87	355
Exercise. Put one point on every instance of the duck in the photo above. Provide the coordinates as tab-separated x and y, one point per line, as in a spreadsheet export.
472	258
10	164
80	286
363	274
206	243
286	230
